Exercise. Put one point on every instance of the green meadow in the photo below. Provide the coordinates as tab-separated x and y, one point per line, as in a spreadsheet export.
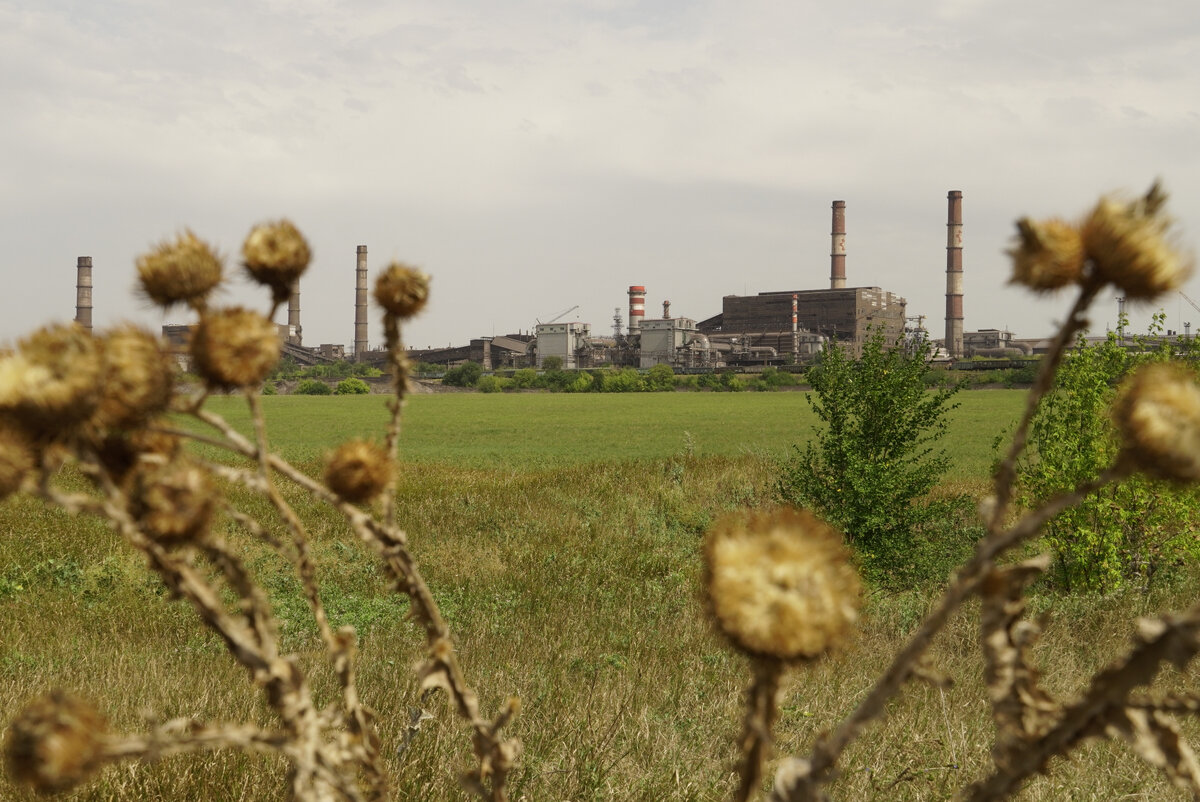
561	537
527	430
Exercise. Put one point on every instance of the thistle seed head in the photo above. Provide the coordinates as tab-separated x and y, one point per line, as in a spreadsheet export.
234	347
780	583
121	452
275	255
53	380
184	271
358	470
138	379
55	743
16	458
174	504
402	290
1158	415
1048	255
1128	243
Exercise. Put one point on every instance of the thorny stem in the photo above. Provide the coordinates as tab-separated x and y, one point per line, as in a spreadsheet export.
395	347
1172	639
1006	472
761	710
390	543
829	748
302	557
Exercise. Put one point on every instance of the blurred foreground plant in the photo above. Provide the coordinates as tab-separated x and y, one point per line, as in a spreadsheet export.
101	403
1157	415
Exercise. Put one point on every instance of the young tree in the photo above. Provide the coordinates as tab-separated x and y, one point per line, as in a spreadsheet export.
873	458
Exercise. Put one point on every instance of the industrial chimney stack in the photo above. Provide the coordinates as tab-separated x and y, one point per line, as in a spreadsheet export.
83	292
360	306
837	250
954	281
294	331
637	309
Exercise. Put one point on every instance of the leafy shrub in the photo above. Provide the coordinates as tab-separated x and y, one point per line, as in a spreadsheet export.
1136	528
312	387
873	456
465	375
660	379
525	378
491	384
353	386
270	389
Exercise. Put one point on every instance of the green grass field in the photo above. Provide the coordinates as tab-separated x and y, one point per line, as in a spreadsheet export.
561	537
542	429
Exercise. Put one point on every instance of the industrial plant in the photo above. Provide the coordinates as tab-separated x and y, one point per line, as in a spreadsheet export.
776	327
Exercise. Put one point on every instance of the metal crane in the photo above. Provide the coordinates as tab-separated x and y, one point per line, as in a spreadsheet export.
559	315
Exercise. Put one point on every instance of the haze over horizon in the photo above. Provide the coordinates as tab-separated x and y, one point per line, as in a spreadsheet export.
536	155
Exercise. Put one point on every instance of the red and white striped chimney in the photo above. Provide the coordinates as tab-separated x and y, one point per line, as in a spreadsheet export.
954	276
637	308
837	250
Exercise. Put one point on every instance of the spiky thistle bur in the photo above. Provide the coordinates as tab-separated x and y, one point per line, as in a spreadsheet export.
780	583
275	255
183	271
234	347
1129	244
358	470
55	743
402	290
52	382
138	378
120	452
1048	255
1158	416
175	503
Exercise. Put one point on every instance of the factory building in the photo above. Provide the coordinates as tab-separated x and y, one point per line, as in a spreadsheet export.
672	341
570	342
845	315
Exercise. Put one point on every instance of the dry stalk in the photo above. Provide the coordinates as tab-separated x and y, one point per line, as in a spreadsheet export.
163	503
1122	245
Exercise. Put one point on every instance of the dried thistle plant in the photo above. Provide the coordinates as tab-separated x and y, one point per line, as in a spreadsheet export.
1126	245
99	403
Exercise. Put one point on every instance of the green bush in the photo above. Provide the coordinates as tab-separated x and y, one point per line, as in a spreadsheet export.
1129	532
525	378
313	387
492	384
872	460
465	375
353	386
660	379
270	389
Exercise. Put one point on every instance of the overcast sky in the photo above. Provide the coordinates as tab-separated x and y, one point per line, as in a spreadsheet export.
533	156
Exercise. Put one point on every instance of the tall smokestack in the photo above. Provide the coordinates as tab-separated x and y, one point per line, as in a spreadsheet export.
837	249
666	310
83	292
637	308
294	314
954	277
360	306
